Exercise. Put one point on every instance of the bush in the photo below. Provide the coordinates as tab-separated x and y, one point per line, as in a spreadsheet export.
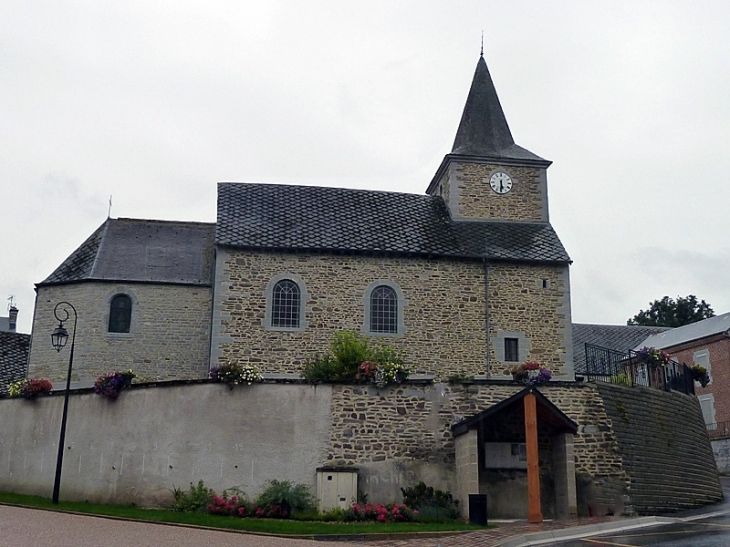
230	507
281	499
430	503
379	513
322	369
351	359
194	501
621	379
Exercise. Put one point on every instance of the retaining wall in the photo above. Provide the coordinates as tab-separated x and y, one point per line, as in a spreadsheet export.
664	447
158	437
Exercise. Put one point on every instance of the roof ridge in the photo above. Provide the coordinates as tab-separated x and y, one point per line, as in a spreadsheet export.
98	248
163	221
327	188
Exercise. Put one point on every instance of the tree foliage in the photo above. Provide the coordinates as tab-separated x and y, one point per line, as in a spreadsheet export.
668	312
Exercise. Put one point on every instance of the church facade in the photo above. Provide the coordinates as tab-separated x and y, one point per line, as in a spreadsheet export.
468	279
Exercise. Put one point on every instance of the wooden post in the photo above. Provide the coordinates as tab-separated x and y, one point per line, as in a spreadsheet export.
534	511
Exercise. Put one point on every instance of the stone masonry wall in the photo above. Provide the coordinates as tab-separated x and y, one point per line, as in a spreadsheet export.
518	301
664	447
473	199
373	428
169	336
444	312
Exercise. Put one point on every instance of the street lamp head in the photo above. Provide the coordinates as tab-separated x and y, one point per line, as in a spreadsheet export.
59	337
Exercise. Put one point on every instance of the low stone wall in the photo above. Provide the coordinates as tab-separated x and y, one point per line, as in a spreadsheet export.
664	448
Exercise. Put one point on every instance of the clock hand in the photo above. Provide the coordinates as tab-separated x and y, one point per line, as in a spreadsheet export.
501	187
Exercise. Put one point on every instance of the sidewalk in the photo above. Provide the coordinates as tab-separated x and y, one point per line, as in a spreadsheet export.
507	533
522	534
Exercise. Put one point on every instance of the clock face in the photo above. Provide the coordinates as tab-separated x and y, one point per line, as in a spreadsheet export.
500	182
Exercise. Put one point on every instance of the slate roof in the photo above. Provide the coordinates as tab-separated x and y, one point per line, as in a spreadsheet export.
616	337
483	130
142	250
284	217
14	350
694	331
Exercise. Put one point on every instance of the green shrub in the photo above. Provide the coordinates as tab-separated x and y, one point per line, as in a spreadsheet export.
285	496
347	352
322	369
621	379
194	501
432	505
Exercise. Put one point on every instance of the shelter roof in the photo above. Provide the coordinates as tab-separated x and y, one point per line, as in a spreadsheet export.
547	412
142	250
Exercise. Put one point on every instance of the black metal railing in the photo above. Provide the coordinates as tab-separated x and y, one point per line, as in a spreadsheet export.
629	369
718	430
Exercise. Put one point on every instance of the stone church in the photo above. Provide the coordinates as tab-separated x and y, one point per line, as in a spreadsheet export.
469	278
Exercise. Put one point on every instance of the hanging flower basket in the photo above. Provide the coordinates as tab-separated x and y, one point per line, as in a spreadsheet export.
30	389
234	374
530	372
653	357
699	374
111	384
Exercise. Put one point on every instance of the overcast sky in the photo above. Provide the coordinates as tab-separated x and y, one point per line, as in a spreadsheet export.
154	102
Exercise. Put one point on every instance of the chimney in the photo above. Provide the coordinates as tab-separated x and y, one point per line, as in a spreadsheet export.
12	318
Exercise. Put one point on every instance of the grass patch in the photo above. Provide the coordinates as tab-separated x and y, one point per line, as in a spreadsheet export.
270	526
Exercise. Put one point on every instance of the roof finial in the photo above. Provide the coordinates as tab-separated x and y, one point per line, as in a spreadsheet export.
481	53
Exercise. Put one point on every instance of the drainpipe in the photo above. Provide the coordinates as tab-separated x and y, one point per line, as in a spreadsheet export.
486	314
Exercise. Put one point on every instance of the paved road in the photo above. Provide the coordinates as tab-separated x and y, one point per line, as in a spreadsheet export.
714	532
36	528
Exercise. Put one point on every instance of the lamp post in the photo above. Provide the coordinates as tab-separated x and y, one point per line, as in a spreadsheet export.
59	337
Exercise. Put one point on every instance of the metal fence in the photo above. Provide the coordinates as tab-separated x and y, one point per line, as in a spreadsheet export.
628	369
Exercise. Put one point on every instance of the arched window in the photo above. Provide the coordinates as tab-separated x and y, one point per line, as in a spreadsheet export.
285	304
120	313
383	310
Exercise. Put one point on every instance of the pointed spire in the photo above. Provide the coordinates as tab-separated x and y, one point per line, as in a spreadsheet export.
483	130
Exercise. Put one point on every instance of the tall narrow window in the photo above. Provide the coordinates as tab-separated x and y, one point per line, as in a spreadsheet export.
511	349
383	310
120	313
285	304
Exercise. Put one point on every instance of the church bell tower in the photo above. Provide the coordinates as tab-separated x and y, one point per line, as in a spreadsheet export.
487	177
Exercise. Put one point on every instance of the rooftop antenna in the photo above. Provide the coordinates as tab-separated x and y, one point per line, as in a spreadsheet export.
109	213
481	53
